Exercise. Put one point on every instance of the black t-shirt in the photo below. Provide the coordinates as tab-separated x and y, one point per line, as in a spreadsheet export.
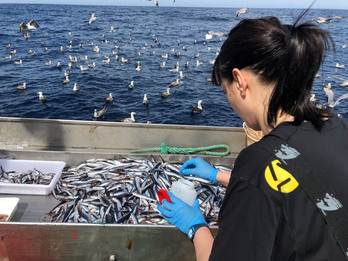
259	222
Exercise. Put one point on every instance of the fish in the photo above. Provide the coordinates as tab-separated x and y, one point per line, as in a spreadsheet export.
124	191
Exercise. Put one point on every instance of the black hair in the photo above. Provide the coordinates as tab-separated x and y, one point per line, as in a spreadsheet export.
288	56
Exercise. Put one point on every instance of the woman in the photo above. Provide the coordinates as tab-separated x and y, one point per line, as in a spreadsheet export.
267	71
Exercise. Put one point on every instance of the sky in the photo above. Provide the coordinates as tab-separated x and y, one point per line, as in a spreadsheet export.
323	4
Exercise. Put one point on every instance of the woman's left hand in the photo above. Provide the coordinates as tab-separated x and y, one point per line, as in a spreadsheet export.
180	214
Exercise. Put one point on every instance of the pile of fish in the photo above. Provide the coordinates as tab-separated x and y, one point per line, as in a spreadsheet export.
30	177
124	191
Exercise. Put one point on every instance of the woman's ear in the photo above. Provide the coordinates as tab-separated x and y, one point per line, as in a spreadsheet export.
241	82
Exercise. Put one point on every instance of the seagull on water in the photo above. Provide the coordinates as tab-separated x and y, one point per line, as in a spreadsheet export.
100	113
24	27
91	65
131	85
176	83
67	72
109	98
166	93
84	68
18	62
42	98
49	63
96	49
20	87
92	18
66	81
339	65
197	109
130	120
76	87
182	75
145	100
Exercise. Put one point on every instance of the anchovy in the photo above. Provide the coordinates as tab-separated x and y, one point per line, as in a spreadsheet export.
124	191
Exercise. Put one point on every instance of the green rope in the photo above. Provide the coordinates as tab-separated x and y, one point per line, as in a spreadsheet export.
164	149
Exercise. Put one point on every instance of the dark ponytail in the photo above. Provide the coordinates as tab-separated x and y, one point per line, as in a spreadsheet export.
288	56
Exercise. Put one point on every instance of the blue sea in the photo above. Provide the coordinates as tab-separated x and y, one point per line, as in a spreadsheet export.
137	32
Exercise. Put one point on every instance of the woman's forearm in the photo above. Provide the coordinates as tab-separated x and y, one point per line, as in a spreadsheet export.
203	242
223	177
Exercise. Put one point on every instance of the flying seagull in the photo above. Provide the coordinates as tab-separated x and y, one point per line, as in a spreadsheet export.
24	27
322	20
241	11
344	82
92	18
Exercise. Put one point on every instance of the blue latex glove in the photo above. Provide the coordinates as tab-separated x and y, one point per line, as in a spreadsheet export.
180	214
200	168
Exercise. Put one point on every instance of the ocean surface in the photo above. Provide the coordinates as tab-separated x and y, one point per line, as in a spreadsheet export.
137	32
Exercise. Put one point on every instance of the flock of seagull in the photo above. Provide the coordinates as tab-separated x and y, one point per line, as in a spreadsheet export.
26	28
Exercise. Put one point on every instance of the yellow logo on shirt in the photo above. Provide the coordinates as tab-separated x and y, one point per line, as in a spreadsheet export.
279	179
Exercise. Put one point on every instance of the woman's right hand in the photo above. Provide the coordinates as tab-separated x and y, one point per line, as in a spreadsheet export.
199	168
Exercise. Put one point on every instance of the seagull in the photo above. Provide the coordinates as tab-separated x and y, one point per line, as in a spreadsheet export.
84	68
164	56
322	20
49	63
138	68
20	87
344	82
131	119
176	83
73	59
91	65
131	85
330	96
59	65
112	29
109	98
18	62
8	46
155	1
76	87
339	65
198	63
67	72
13	52
66	81
343	46
196	55
123	60
100	113
241	11
182	75
96	49
145	100
162	65
24	27
42	98
175	70
91	19
84	58
106	60
166	93
197	109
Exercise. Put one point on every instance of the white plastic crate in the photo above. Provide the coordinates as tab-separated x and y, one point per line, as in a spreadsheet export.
29	165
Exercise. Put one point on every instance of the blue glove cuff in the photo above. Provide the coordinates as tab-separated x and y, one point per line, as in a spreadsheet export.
192	231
